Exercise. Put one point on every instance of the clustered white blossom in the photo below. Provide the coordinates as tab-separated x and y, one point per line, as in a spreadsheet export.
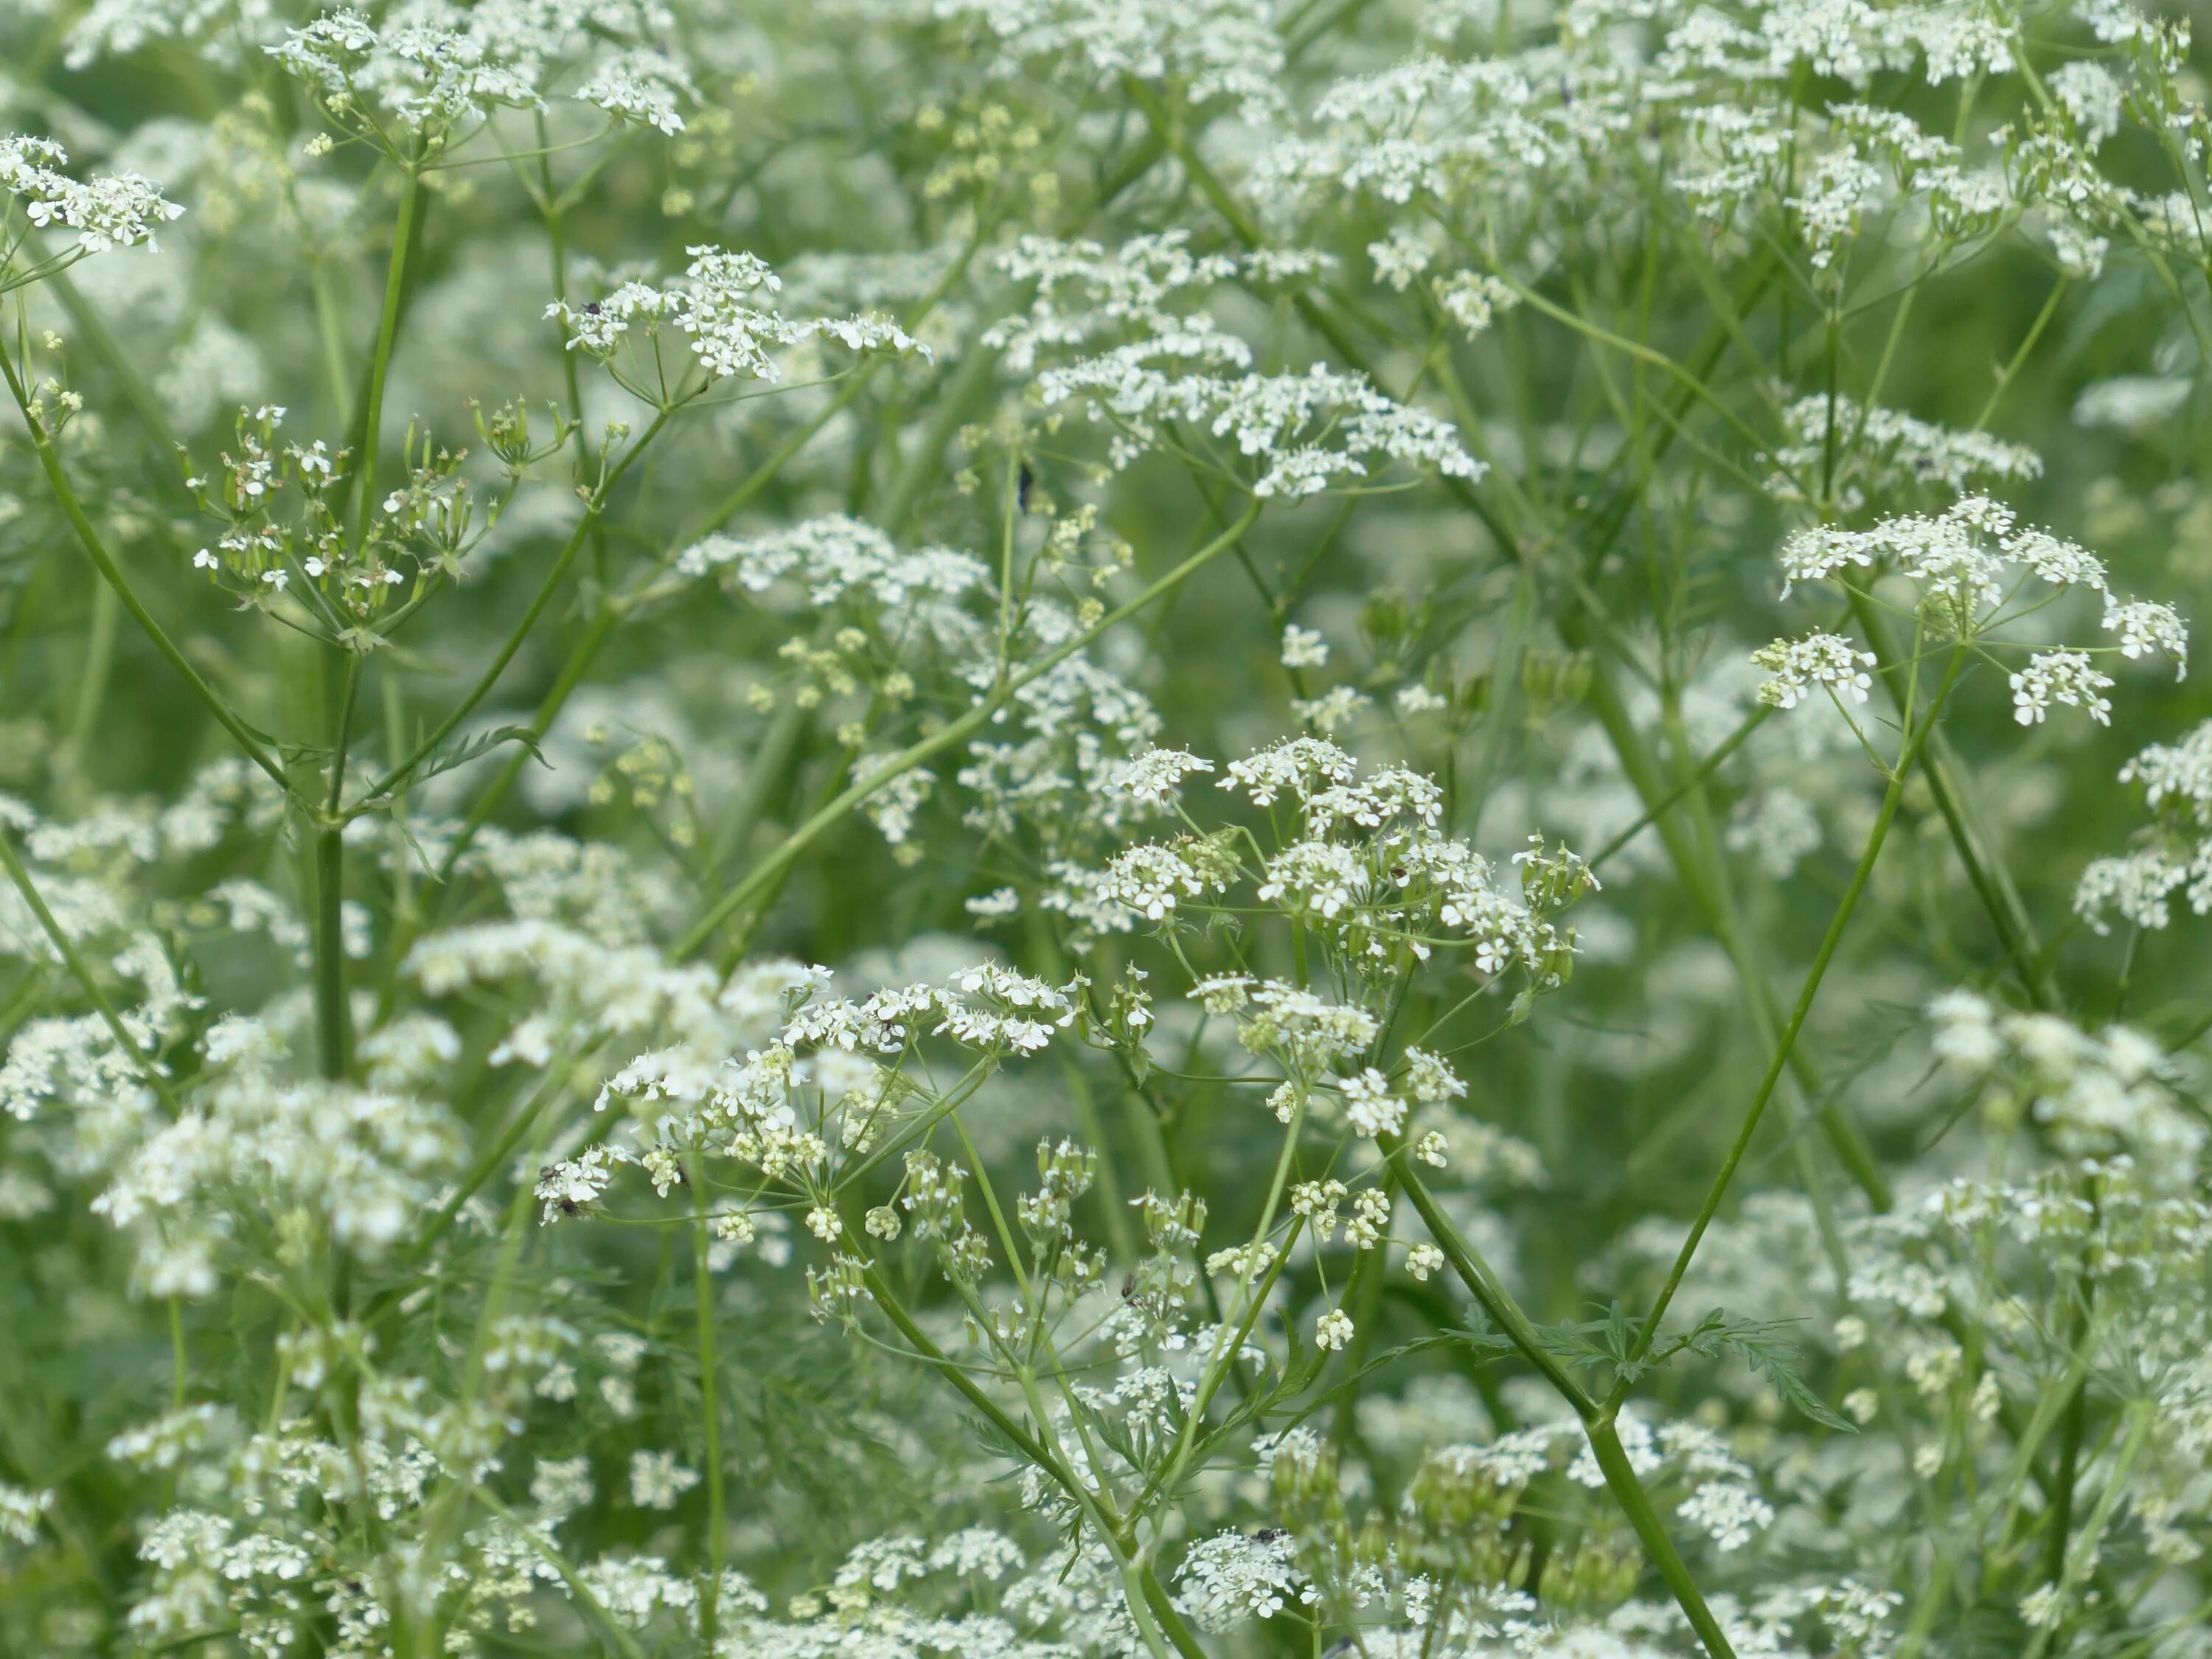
113	210
1972	560
438	1230
718	307
1827	660
1134	354
2176	781
1224	49
436	66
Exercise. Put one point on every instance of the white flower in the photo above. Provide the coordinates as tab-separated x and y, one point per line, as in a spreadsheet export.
1822	659
642	86
997	902
721	304
656	1480
561	1485
2046	1607
2091	98
1303	648
1893	450
1400	257
1318	877
1431	1080
2066	677
123	210
1334	1330
2145	627
1298	766
1233	1576
2131	403
1155	776
427	76
1214	49
1472	299
1332	711
574	1184
1370	1106
20	1510
1728	1511
1149	879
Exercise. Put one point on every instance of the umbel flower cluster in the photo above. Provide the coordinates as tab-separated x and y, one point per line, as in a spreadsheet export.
1099	829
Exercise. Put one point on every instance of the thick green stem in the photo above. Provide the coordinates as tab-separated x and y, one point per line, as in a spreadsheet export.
1176	1629
1636	1502
2078	1564
2075	1425
2071	1429
333	1019
333	1016
1475	1273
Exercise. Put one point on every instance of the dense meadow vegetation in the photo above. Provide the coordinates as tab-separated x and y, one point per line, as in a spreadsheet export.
1063	828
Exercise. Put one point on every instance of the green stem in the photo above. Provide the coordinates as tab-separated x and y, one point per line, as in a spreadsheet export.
2019	357
1475	1273
1636	1502
2074	1426
2082	1561
333	1016
1696	780
710	1406
957	398
1707	882
92	687
1892	799
1620	1476
521	630
387	335
180	1355
21	877
624	1642
333	1023
414	920
1172	1623
771	867
73	510
773	463
1991	880
89	323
